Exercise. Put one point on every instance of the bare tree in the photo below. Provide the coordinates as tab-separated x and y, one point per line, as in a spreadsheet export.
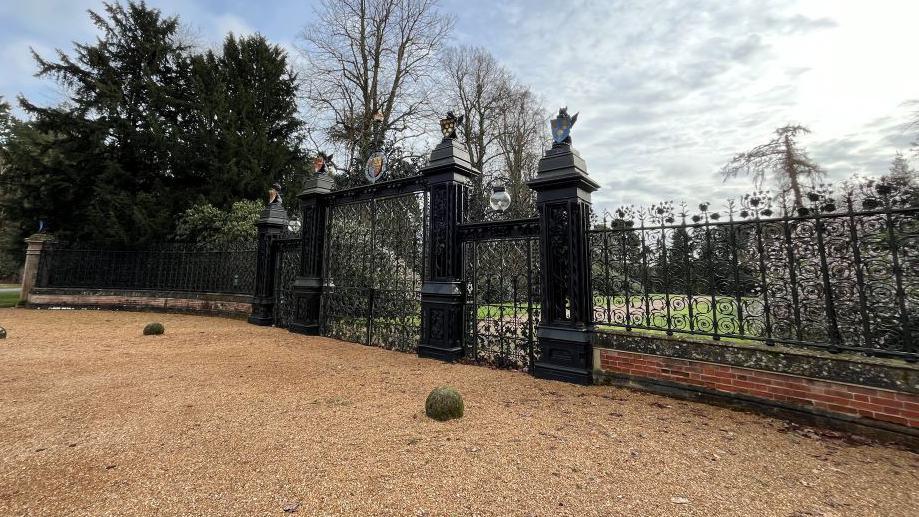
503	125
478	87
914	125
522	138
369	72
782	158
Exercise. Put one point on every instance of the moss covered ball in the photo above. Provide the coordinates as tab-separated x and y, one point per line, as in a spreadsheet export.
444	403
2	333
154	329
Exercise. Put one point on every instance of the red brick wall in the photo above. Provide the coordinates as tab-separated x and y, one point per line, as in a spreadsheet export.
878	404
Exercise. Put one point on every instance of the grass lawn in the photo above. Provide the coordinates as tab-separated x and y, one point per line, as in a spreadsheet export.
218	417
9	299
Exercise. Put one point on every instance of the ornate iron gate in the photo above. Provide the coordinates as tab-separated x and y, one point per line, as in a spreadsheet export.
501	262
286	253
375	267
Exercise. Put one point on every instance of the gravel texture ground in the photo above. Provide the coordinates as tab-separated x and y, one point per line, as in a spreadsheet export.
217	417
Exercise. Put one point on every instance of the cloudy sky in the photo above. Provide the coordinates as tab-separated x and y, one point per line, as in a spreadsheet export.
668	90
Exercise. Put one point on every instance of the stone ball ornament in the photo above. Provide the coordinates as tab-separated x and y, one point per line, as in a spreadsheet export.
444	403
154	329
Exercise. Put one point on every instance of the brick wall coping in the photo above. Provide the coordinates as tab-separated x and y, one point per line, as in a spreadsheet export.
221	304
876	372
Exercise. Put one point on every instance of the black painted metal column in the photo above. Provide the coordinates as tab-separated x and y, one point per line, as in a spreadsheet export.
448	175
563	191
270	226
309	283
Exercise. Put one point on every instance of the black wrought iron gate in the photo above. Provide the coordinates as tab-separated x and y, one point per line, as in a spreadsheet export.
286	253
365	251
375	267
501	272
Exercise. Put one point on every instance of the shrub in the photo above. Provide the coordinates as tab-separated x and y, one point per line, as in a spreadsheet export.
444	403
154	329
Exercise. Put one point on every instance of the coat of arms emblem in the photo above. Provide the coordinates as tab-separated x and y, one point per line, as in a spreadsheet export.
449	124
561	126
376	167
320	162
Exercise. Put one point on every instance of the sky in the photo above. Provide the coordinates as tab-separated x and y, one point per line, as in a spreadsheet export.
668	91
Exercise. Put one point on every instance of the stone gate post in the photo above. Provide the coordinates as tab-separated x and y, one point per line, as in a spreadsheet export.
563	191
308	286
448	174
270	226
35	245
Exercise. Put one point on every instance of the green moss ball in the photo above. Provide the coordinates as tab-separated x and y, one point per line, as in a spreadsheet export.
444	403
154	329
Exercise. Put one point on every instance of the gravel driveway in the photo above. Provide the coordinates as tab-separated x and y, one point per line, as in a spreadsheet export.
218	417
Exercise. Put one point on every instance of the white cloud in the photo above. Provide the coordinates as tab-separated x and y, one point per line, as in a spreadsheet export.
669	91
226	23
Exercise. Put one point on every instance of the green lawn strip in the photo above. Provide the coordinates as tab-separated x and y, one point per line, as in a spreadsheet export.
9	299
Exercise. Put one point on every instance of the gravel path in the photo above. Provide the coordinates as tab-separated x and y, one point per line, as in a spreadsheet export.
218	417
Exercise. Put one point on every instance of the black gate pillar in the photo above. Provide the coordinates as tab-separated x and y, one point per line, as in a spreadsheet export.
309	283
270	226
448	175
563	191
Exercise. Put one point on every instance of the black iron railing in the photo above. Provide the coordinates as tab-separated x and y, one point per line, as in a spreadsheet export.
165	267
839	273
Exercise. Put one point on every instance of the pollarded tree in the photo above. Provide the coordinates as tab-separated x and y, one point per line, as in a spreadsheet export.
367	58
783	159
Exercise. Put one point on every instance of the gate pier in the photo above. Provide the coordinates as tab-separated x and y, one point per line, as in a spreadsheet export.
271	225
307	288
448	176
563	203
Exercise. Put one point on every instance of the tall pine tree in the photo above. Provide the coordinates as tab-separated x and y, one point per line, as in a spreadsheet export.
149	130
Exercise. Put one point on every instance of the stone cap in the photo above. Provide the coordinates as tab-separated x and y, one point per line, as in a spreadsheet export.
316	185
39	237
273	214
449	154
562	166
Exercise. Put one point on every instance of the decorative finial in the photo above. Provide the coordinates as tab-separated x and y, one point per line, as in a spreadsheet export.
321	163
561	126
448	124
274	195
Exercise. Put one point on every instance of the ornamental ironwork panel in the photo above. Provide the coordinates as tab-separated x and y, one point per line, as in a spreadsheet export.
227	268
286	256
839	273
375	266
502	301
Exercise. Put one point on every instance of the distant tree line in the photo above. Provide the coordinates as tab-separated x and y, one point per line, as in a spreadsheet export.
159	140
150	128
